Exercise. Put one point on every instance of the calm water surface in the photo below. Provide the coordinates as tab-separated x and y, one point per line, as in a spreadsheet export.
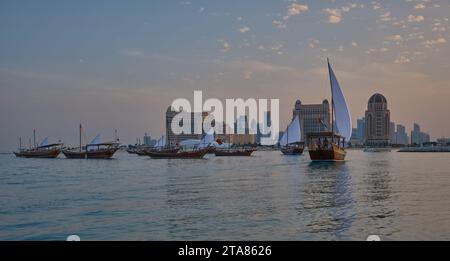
399	196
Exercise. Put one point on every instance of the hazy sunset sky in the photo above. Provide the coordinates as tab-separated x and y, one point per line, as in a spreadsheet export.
119	64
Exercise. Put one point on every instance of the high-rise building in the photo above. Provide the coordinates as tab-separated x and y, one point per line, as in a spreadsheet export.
264	128
148	140
417	136
172	138
400	135
355	140
392	137
312	116
377	121
361	129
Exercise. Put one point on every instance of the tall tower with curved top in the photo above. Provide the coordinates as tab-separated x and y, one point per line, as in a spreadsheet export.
378	119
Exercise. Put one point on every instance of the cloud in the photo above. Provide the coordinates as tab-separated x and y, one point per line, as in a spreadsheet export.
386	17
225	45
375	50
132	52
419	6
415	18
402	60
431	43
279	24
295	9
334	15
395	38
244	29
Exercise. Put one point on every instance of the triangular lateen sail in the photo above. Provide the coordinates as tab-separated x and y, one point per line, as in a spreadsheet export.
161	142
44	142
293	133
208	139
342	118
96	140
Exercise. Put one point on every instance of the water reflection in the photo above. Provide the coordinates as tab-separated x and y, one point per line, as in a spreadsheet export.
378	194
328	199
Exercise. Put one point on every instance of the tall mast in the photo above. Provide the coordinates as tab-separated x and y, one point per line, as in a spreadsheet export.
287	136
332	101
20	143
34	138
80	137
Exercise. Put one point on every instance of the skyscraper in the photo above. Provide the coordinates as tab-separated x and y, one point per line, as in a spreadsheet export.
392	136
417	136
377	121
361	126
312	116
401	136
265	127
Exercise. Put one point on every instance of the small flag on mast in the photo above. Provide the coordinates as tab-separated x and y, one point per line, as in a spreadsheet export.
323	123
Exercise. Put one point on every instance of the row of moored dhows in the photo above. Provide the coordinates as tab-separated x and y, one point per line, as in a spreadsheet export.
322	146
93	150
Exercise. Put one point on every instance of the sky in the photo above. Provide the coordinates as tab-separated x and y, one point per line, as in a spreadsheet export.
119	64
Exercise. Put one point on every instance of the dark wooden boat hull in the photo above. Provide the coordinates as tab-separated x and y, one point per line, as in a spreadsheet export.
174	150
101	154
46	154
74	154
198	154
231	153
292	151
333	154
141	153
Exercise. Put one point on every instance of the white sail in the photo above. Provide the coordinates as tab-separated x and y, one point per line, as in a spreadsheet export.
293	133
158	143
96	140
44	142
342	118
208	139
161	142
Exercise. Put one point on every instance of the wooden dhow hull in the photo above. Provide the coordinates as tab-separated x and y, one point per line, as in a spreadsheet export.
74	154
45	154
292	151
101	154
334	153
197	154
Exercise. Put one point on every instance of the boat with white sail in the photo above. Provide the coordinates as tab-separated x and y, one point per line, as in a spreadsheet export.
43	150
330	146
291	141
160	151
97	149
76	153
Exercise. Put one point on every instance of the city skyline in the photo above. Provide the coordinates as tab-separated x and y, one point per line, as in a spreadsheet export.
111	65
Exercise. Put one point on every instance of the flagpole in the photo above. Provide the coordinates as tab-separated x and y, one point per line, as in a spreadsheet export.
332	101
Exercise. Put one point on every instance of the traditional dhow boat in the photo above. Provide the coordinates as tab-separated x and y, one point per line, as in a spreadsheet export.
76	153
44	150
101	150
178	154
330	146
326	146
291	140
